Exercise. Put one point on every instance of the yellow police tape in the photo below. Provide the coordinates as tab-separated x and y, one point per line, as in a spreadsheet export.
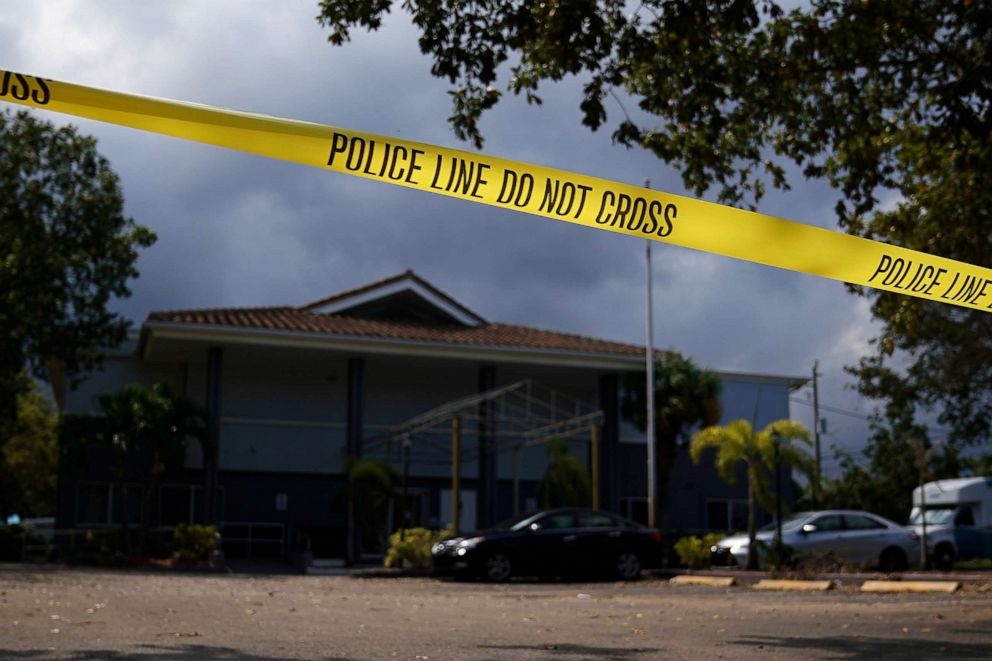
529	188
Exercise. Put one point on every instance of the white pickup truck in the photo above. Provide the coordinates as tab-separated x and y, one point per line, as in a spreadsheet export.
958	515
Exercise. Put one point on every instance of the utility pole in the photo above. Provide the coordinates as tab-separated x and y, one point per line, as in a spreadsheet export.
816	437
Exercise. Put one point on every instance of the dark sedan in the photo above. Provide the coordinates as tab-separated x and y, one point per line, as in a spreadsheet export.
561	542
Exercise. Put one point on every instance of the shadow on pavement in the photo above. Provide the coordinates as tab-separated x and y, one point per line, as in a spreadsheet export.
567	649
870	648
144	652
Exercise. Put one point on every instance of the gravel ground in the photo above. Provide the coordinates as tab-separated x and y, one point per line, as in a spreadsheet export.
63	613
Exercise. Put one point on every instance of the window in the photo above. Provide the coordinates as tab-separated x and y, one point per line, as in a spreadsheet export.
597	520
858	522
183	503
635	509
556	521
726	514
102	504
829	523
964	517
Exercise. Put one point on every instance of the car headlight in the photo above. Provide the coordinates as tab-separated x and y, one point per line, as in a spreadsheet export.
437	548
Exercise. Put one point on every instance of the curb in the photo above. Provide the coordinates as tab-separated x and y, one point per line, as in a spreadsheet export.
911	586
712	581
786	584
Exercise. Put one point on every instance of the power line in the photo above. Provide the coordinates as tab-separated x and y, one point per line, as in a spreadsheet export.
861	416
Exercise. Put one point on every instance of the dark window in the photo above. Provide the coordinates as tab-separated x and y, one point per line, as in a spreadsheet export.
858	522
964	517
104	504
635	509
718	515
829	523
597	520
726	514
556	521
738	515
93	504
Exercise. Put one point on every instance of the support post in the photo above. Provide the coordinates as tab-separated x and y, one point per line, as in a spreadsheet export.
211	452
595	466
354	419
456	474
487	490
816	437
649	391
516	480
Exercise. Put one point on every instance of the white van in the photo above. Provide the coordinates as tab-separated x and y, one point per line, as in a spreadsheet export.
958	518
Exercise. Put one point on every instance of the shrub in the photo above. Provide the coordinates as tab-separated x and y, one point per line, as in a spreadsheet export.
194	542
694	552
415	548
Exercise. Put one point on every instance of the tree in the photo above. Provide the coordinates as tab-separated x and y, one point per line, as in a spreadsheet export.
147	430
371	489
29	457
739	443
65	250
886	101
884	480
565	482
685	396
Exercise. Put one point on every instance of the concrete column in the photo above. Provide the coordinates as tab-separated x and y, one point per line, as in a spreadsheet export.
486	496
609	442
211	468
355	419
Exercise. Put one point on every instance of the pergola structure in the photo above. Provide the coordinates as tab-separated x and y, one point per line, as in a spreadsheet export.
508	419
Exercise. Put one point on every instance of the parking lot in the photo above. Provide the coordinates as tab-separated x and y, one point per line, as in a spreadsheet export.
48	613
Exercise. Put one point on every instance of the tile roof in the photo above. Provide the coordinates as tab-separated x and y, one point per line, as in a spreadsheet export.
379	284
300	320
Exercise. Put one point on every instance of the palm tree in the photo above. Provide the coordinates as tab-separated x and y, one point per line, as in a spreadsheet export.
739	442
685	395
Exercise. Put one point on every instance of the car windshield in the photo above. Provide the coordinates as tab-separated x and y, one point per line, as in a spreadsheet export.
789	523
935	515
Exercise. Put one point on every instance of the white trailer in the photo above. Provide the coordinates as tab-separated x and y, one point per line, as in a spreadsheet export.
958	515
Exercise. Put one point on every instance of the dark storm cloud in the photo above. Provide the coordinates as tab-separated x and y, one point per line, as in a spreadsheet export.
239	230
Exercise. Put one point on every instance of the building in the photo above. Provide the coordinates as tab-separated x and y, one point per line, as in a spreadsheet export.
383	370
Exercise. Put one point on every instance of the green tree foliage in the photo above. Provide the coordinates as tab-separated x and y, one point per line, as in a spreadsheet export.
883	480
147	430
685	396
29	457
66	249
739	443
565	482
371	488
886	101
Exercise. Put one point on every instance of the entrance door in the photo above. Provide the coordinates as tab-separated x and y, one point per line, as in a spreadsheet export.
466	522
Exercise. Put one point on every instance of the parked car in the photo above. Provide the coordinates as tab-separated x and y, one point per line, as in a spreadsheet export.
958	518
858	538
559	542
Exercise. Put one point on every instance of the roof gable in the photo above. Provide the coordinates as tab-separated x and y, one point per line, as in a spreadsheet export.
403	298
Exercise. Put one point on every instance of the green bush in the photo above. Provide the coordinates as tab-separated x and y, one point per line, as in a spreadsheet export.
194	542
694	552
415	548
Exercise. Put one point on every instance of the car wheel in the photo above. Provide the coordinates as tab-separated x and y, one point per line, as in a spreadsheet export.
892	559
628	566
943	557
498	567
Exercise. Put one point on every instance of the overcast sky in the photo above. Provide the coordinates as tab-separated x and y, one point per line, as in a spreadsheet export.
240	230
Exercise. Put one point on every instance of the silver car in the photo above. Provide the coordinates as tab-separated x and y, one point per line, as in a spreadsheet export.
858	538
